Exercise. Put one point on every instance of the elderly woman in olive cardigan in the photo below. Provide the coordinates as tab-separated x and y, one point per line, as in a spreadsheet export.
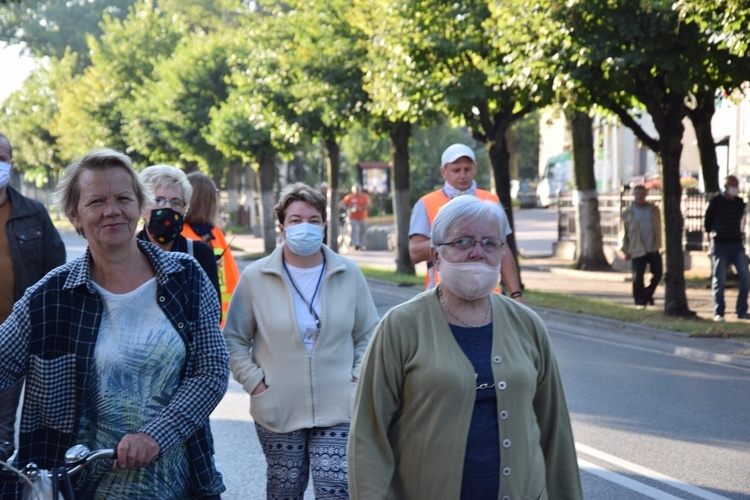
460	395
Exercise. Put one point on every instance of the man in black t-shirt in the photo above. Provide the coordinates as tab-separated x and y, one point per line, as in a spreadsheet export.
724	219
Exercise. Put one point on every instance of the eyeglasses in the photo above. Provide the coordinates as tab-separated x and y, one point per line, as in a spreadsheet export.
175	203
488	245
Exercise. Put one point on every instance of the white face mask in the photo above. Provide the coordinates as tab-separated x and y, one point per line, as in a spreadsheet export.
304	238
4	174
469	280
733	191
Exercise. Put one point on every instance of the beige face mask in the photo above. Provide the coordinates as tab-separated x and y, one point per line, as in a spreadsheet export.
469	280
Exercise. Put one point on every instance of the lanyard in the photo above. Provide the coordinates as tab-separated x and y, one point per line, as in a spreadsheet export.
317	287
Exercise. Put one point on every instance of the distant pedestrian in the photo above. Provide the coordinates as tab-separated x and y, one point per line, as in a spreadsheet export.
724	220
640	241
357	204
30	247
200	225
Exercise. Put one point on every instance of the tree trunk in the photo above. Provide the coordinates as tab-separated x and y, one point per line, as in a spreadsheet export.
333	162
590	242
268	201
234	182
701	117
400	134
667	112
496	131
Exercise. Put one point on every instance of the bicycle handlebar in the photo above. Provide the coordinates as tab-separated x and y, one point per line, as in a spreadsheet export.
76	458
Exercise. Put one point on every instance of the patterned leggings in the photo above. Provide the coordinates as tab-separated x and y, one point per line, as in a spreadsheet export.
292	456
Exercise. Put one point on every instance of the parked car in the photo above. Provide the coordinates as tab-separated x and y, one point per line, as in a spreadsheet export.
525	192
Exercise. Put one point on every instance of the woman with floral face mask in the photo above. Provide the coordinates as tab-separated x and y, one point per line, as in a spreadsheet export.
165	218
297	328
460	396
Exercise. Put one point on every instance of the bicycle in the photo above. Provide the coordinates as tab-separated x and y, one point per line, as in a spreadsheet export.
42	484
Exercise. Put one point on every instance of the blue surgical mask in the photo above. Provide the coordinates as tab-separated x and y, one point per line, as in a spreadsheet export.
304	238
4	174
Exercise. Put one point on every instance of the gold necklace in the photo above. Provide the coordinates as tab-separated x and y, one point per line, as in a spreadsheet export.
445	306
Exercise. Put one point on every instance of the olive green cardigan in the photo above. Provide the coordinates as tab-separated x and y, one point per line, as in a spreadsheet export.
416	396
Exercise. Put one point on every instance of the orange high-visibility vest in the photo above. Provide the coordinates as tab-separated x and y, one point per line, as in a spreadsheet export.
229	273
433	202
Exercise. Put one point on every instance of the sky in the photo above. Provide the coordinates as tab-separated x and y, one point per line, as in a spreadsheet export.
13	69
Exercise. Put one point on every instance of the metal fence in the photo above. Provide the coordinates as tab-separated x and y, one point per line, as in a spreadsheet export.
612	205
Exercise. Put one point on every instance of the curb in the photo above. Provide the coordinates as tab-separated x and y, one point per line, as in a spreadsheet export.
612	276
665	341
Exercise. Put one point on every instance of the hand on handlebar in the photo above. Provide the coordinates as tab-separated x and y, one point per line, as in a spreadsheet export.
135	451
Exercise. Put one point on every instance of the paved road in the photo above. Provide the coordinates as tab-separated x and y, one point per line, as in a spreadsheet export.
648	424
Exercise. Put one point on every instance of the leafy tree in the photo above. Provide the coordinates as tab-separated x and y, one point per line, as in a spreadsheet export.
207	15
93	105
29	111
318	50
400	96
47	28
725	20
253	123
474	53
169	120
626	54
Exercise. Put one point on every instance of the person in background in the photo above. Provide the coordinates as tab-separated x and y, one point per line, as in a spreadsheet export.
357	203
297	329
164	219
121	348
724	219
30	247
200	225
640	240
460	395
458	168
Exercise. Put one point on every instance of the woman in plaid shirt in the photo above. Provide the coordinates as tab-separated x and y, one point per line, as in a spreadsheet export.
120	348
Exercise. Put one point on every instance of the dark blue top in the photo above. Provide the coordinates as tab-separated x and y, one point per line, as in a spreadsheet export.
481	477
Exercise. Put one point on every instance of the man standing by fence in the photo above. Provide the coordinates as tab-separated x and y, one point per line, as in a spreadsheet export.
640	241
724	219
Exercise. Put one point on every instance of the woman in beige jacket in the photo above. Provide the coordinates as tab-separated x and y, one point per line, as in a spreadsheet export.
297	328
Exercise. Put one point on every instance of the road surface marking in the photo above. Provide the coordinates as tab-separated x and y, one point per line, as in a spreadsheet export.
674	483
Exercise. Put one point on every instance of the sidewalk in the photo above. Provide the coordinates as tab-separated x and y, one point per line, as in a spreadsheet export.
549	274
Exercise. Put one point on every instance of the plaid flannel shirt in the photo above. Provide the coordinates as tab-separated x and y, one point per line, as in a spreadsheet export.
50	338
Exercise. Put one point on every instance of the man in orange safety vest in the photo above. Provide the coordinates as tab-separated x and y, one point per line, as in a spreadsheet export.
458	168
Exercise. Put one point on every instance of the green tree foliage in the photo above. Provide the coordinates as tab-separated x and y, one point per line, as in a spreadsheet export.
93	105
169	119
626	54
28	115
473	54
47	28
725	20
322	55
